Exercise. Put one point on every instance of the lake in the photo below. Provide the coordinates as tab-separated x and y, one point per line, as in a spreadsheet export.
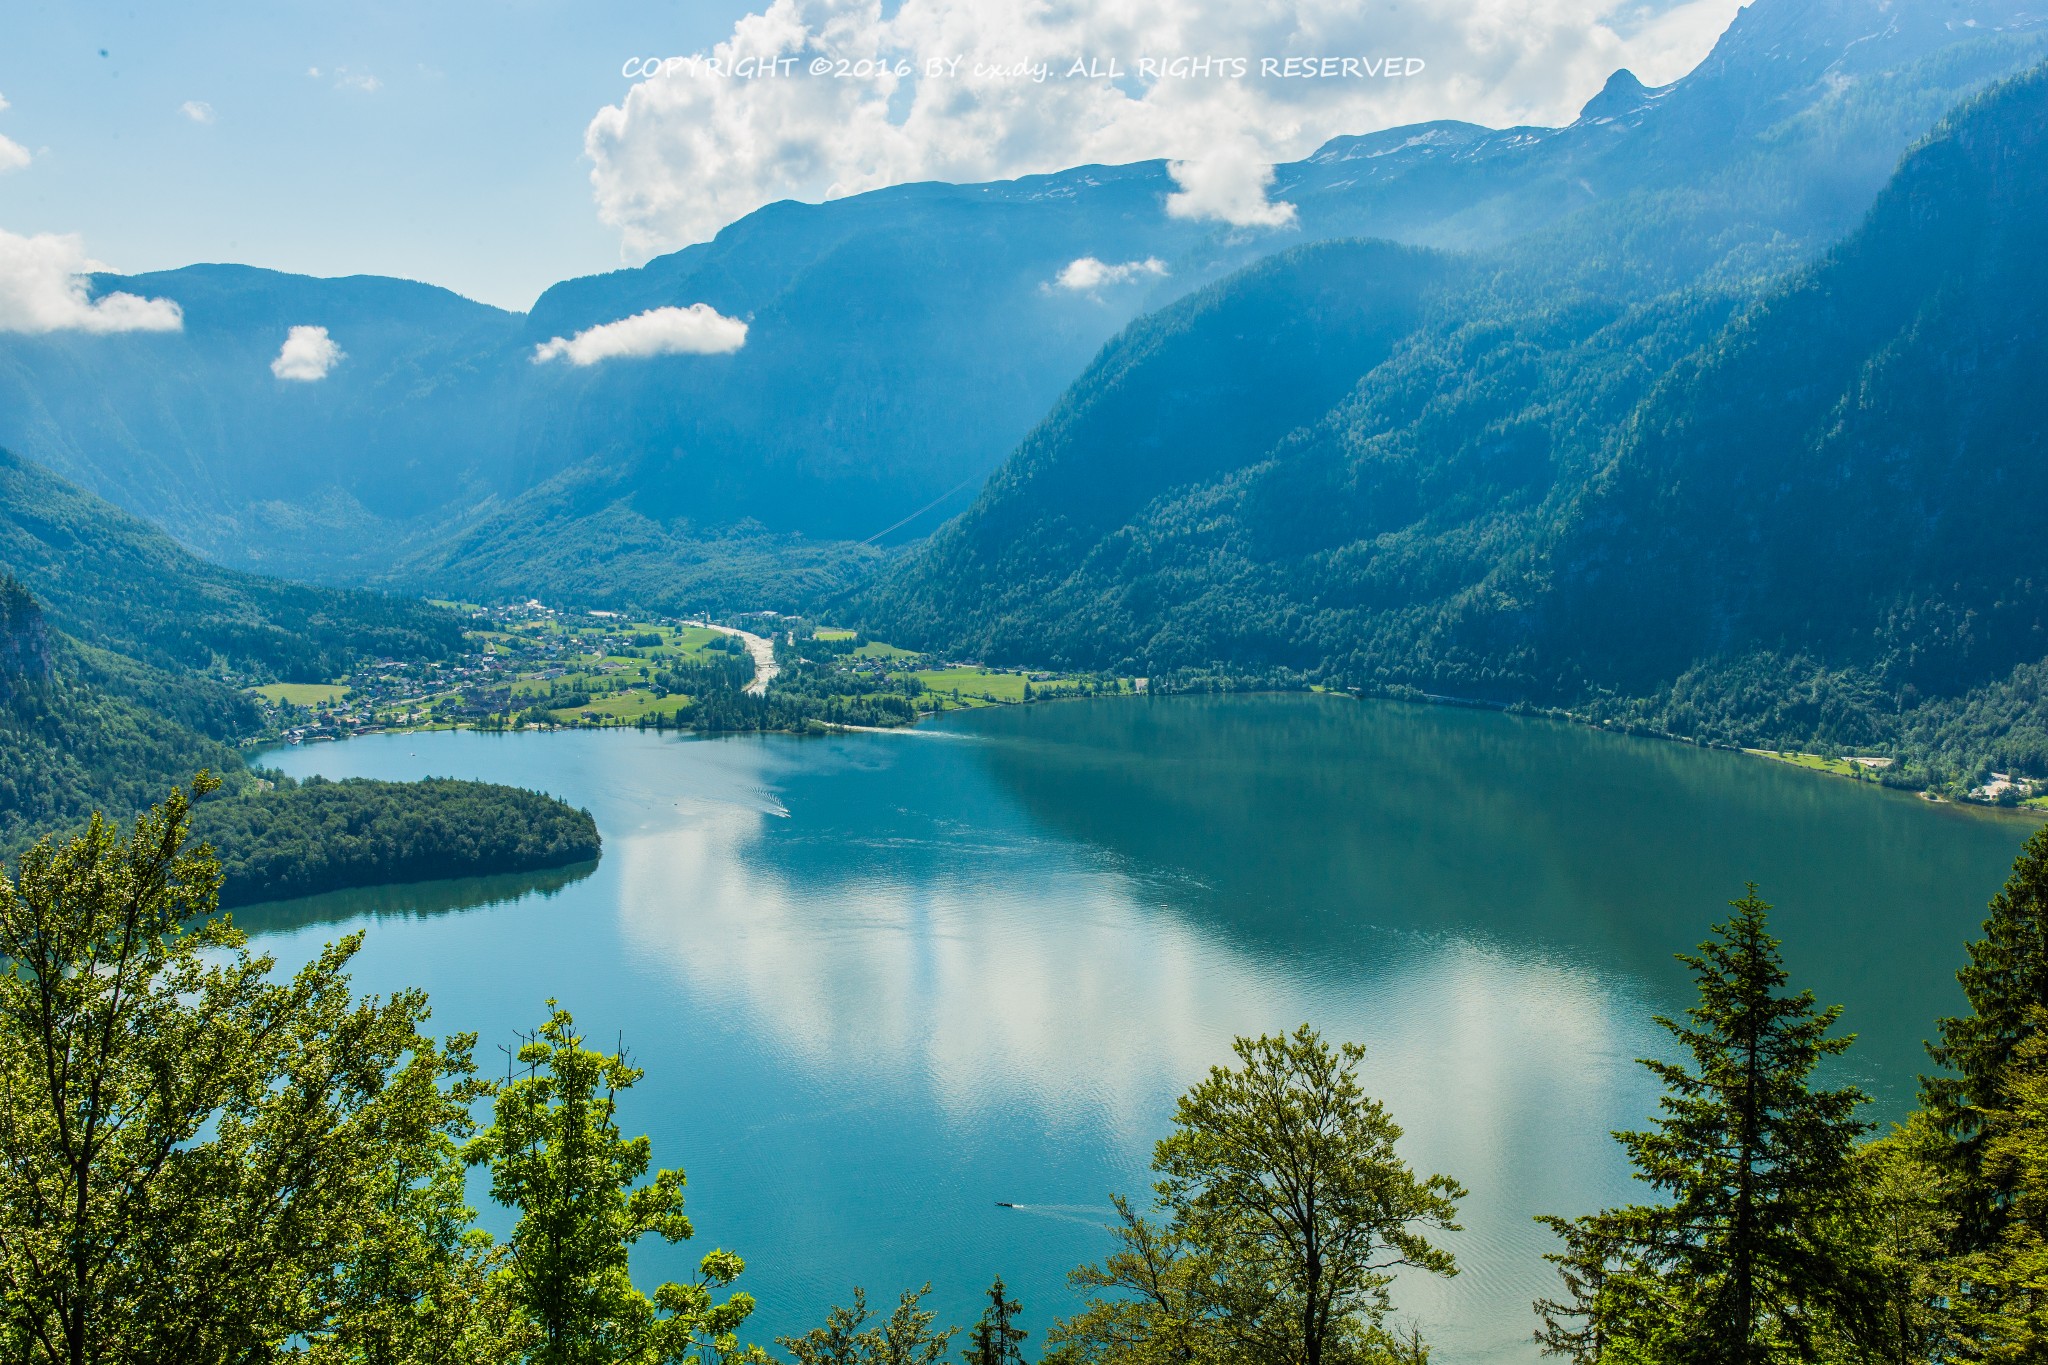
880	982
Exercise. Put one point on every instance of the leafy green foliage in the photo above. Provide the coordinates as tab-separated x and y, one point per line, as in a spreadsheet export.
556	1154
99	732
906	1337
416	1283
316	835
2006	984
1744	1264
1900	1228
2001	1292
1286	1211
1151	1300
190	1147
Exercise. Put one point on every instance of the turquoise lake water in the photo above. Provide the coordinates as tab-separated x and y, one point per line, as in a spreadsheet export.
881	982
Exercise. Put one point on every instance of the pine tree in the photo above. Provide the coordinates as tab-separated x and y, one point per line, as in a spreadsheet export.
908	1337
2000	1294
1742	1265
995	1339
2006	979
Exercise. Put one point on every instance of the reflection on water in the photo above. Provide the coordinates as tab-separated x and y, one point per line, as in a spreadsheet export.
408	899
883	985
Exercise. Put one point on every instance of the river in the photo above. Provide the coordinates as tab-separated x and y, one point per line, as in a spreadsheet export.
881	982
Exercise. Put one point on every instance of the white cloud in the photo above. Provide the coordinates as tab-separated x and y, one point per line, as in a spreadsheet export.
1230	187
44	288
199	111
968	90
1087	274
699	329
308	354
13	156
347	79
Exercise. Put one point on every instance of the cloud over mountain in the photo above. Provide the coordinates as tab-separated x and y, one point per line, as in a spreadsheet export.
699	329
308	354
1087	274
45	286
814	99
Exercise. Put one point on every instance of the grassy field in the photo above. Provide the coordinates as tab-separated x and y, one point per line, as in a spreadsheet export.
875	649
1839	767
829	633
973	684
624	707
302	694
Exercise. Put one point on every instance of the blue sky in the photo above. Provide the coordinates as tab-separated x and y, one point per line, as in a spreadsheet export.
463	166
494	146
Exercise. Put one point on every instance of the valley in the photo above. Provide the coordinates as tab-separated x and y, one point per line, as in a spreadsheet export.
1263	735
530	666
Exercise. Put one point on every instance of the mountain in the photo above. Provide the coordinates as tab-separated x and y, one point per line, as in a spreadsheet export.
1807	517
112	581
123	655
192	430
1857	466
901	343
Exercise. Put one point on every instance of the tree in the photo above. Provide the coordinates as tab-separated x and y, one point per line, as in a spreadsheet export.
1746	1262
1903	1221
1287	1211
190	1150
1152	1301
906	1338
995	1338
417	1286
2005	982
556	1155
2001	1292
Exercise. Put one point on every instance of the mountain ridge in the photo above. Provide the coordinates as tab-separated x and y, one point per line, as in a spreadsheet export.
1554	498
903	341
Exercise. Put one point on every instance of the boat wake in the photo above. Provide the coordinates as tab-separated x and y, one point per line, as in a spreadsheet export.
1089	1215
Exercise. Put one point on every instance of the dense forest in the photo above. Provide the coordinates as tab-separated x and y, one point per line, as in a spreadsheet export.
1790	516
123	660
309	1152
299	838
112	581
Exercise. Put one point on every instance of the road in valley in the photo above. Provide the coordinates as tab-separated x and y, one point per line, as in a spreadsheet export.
762	651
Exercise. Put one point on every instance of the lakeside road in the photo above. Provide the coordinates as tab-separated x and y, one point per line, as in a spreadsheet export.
761	650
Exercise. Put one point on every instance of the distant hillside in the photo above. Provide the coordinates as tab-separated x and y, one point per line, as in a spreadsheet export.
114	581
902	342
1792	521
81	730
123	656
192	430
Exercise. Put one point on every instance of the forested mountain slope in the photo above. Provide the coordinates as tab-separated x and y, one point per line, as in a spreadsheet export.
1797	519
192	430
123	655
902	342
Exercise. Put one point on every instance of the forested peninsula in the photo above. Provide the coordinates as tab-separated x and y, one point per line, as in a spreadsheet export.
302	838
